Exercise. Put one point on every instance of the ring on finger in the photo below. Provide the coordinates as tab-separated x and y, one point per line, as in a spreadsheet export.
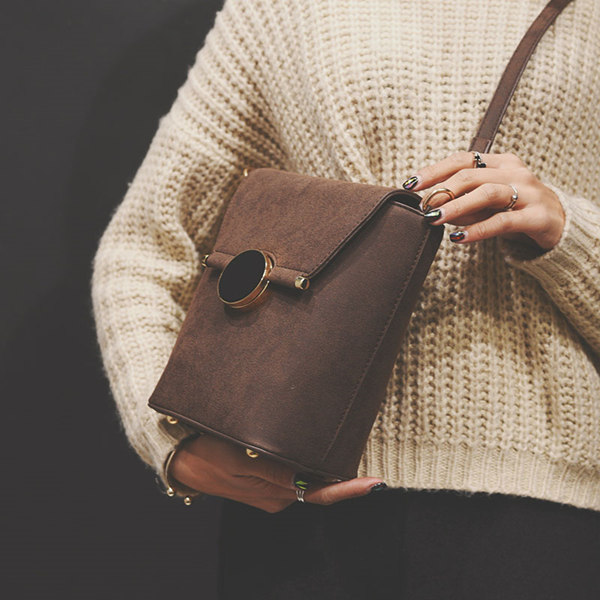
435	192
301	481
477	161
300	495
513	198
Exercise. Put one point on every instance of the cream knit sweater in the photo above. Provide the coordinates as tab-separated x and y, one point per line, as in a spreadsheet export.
497	386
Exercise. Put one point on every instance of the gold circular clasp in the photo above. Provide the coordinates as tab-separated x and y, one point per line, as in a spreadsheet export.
244	280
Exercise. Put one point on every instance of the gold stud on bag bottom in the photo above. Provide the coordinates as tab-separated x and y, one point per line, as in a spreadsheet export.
292	333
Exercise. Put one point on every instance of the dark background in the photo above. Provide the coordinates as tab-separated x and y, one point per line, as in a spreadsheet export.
83	85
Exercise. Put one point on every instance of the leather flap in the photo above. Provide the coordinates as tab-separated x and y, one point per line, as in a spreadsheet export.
303	221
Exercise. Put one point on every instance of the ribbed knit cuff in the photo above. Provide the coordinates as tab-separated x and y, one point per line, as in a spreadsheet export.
569	261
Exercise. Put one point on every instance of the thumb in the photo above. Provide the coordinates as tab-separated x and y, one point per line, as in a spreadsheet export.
352	488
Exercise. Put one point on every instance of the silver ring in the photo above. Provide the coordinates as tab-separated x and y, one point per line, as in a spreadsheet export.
300	495
513	198
477	161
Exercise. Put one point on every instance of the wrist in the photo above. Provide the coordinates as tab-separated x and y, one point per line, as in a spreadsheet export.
176	488
550	237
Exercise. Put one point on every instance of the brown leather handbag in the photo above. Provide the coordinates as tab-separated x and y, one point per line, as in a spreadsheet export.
297	319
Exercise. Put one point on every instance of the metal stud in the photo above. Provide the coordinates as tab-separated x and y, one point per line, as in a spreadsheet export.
252	453
187	501
204	259
301	283
170	492
172	420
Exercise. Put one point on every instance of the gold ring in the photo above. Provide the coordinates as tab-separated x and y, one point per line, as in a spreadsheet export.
435	193
513	198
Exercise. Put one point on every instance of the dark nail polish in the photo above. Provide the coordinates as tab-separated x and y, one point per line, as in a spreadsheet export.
301	481
457	236
378	487
433	215
410	183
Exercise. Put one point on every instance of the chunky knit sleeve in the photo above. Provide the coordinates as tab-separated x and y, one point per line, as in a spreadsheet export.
570	272
147	263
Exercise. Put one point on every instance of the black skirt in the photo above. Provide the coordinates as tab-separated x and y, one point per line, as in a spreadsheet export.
411	544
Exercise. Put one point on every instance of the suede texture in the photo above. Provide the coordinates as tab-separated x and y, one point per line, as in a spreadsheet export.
301	375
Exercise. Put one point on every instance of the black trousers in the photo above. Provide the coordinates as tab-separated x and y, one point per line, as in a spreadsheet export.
411	544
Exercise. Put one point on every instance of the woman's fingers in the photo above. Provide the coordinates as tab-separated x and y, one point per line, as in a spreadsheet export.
267	496
475	205
469	180
499	224
259	493
274	473
433	174
461	193
214	465
504	209
271	501
336	492
219	468
269	470
531	222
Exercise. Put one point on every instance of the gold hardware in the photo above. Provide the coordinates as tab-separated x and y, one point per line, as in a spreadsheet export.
245	278
204	259
172	420
173	489
252	453
301	283
429	197
246	171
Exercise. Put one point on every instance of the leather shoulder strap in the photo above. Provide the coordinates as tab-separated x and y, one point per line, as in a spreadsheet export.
490	123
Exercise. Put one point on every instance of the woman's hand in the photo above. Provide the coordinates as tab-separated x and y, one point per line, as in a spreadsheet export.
483	195
219	468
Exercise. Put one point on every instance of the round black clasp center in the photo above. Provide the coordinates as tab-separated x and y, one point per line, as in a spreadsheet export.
244	279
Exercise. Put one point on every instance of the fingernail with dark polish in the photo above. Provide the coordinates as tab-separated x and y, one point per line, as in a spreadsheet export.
457	236
433	215
301	481
378	487
411	182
